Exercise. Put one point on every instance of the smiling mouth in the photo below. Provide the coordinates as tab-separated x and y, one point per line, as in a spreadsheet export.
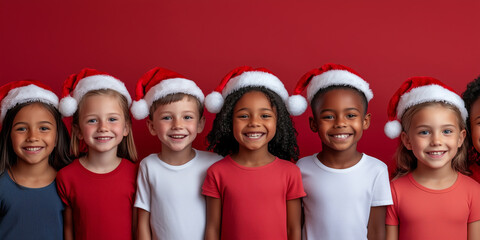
254	135
103	138
436	153
177	136
340	136
32	149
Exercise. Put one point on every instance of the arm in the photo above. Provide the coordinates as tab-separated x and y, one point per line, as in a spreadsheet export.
473	230
143	225
376	223
392	232
214	218
68	223
294	216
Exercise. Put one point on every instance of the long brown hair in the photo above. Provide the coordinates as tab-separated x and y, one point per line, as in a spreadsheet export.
126	149
407	162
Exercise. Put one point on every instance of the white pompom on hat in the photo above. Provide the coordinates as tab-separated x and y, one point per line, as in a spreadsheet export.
329	74
244	77
158	83
18	92
77	85
414	91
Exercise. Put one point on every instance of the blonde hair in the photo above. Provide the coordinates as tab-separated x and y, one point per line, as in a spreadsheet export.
407	162
126	149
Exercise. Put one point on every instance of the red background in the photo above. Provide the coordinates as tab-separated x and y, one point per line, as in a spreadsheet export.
385	41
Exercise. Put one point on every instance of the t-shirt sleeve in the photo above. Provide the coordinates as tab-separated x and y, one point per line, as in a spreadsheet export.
392	217
62	188
210	186
381	189
295	186
475	204
142	199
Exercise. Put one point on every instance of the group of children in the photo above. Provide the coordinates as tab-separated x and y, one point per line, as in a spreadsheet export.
89	185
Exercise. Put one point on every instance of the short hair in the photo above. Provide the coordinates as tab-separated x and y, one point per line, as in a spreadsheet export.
59	157
406	160
171	98
323	91
284	143
126	149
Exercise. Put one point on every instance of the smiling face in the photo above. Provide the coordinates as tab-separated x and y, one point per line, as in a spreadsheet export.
254	122
177	124
33	134
339	119
434	136
101	123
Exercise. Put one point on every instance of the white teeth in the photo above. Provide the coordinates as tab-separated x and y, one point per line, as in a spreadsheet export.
342	136
103	138
436	153
254	135
33	148
177	136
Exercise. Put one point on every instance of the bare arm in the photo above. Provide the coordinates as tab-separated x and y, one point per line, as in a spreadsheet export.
392	232
294	216
376	223
143	225
68	223
214	218
473	230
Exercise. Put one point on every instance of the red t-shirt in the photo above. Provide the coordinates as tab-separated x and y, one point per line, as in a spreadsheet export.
423	213
254	198
102	203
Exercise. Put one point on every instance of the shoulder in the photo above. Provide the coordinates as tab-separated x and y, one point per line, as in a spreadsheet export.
207	156
69	169
222	163
129	166
375	162
306	161
148	160
469	183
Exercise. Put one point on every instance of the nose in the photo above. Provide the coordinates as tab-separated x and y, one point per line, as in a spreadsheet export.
177	124
102	126
339	122
253	121
436	139
32	136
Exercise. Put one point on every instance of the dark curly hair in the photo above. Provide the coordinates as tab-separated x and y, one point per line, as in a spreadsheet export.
284	143
60	156
471	94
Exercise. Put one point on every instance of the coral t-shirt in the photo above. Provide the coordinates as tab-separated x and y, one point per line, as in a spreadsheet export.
254	198
423	213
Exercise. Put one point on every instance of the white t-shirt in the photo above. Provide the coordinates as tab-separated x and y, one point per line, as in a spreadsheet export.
338	201
173	196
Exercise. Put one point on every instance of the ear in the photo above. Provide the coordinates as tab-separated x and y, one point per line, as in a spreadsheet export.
201	124
126	129
151	127
366	121
406	140
313	124
461	137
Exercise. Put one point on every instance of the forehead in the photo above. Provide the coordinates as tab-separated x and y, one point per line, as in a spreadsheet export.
253	99
187	103
336	99
34	112
435	114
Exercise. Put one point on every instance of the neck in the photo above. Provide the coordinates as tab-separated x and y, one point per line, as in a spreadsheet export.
100	162
339	159
435	178
33	176
176	158
255	158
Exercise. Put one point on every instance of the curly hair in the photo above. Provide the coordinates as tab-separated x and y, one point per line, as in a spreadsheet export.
60	156
406	160
320	93
284	143
470	96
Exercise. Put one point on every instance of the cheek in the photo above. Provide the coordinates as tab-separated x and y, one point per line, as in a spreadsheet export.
476	136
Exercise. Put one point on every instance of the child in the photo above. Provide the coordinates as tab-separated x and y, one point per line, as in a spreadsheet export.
432	198
34	146
169	201
98	188
471	97
251	193
346	190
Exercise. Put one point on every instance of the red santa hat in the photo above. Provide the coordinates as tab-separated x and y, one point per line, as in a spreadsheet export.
319	78
158	83
414	91
77	85
14	93
244	77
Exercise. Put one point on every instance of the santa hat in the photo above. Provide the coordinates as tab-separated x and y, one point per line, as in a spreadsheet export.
244	77
158	83
77	85
14	93
414	91
319	78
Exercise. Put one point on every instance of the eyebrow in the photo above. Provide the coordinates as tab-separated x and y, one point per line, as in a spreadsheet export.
428	126
42	122
347	109
261	109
